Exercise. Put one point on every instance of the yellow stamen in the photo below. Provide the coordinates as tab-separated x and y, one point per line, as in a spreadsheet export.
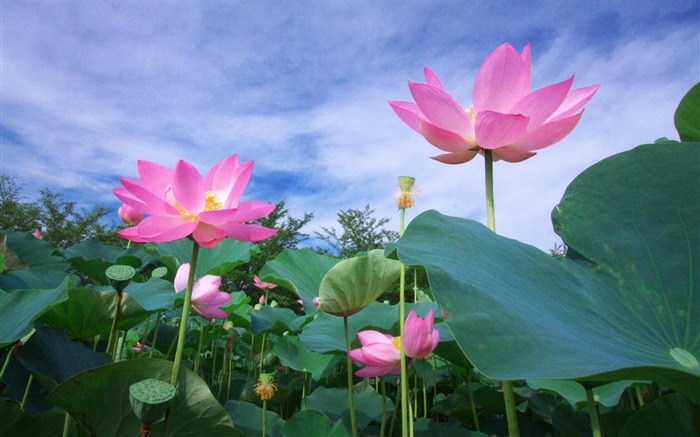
266	387
404	199
471	114
211	202
396	341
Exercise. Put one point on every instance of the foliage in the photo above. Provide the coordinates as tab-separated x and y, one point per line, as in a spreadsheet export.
608	324
59	220
288	236
359	232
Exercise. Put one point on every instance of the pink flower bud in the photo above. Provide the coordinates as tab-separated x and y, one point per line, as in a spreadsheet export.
130	215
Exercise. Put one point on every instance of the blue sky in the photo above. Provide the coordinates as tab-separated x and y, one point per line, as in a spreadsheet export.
88	88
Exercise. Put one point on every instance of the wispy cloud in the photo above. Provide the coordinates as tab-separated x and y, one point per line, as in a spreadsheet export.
301	88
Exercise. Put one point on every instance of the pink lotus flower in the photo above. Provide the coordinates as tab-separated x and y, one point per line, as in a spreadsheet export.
37	234
139	347
262	285
180	202
506	116
130	215
206	297
380	353
420	337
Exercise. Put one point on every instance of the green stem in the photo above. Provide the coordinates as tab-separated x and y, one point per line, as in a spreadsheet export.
640	396
145	334
593	412
119	347
511	412
182	334
425	393
66	425
414	391
264	419
197	358
402	318
393	415
410	424
383	426
155	336
7	362
490	209
351	403
262	353
111	343
172	346
303	393
508	395
475	417
26	392
213	362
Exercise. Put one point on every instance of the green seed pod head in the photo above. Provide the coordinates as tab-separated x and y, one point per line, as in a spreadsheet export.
120	276
159	272
150	399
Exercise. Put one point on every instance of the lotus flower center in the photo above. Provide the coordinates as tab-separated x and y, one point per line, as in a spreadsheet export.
471	113
396	341
211	202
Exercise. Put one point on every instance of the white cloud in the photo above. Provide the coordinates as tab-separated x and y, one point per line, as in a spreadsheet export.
302	91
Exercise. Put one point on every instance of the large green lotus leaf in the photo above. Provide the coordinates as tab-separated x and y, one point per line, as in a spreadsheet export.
92	257
306	423
247	418
53	356
333	402
292	353
153	295
218	260
624	304
299	271
425	427
99	400
671	415
30	263
89	312
354	283
238	309
687	117
275	320
20	308
15	422
326	333
575	393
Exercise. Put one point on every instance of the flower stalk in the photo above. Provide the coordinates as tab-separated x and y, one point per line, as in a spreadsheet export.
404	199
182	333
198	357
593	412
351	402
508	395
402	318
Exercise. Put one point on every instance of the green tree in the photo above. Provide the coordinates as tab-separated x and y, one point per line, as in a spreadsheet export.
59	220
359	231
16	212
288	236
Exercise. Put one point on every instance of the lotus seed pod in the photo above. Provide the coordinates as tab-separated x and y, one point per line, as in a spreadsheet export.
120	276
150	399
159	272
